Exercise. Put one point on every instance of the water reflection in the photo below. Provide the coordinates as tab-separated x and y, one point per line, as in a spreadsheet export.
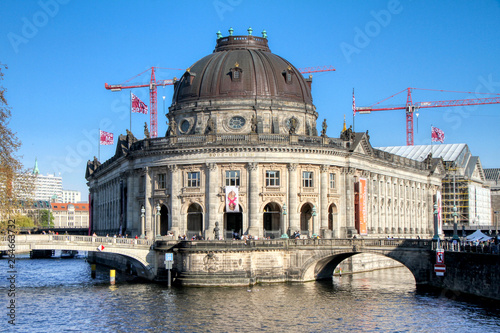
60	295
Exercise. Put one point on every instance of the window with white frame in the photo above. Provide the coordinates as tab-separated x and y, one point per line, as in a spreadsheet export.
233	178
193	179
307	179
272	178
162	181
332	180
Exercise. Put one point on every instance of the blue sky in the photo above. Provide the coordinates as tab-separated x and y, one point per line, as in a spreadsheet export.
61	52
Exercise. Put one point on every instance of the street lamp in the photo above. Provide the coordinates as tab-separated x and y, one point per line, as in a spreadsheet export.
455	215
143	211
157	218
496	223
436	236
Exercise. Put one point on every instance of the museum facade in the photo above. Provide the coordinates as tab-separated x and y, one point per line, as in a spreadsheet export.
242	155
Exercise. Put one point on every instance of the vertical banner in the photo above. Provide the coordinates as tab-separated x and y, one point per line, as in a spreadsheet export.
232	205
360	206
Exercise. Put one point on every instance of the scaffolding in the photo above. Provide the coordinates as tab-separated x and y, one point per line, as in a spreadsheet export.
467	196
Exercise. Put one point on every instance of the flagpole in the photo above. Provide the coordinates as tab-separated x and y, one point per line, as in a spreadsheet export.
130	128
431	144
99	146
353	110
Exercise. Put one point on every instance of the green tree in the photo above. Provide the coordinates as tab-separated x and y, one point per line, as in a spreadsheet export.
16	184
23	221
46	218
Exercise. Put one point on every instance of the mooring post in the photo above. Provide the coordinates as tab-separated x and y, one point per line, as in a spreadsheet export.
92	271
112	274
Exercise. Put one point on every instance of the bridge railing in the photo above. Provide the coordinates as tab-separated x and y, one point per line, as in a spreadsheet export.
286	243
78	239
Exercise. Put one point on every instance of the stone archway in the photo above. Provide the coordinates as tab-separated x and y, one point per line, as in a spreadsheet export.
306	219
233	223
271	220
194	220
332	216
164	227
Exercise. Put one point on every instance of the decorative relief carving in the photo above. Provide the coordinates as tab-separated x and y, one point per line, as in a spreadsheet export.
211	262
211	166
365	173
292	166
324	168
252	166
173	168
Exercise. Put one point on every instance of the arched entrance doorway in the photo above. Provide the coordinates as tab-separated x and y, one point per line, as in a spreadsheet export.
233	223
332	216
272	215
194	220
306	219
164	220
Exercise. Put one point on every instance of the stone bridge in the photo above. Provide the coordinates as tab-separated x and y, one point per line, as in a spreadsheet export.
137	251
204	263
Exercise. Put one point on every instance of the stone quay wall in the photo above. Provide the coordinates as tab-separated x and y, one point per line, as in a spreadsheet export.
470	274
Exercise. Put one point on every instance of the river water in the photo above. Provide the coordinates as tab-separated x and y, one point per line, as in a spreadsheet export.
59	295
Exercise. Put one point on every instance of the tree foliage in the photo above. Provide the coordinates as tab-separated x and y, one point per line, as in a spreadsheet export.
16	184
46	218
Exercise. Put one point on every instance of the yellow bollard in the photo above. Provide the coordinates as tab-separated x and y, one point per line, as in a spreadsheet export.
112	276
92	271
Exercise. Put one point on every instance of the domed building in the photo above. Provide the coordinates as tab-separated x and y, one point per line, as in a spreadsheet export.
242	155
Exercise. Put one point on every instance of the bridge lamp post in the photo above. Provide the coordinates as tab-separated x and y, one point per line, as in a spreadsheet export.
158	213
143	213
496	223
455	226
436	236
314	214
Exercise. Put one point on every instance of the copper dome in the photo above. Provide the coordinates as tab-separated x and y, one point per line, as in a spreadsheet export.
241	67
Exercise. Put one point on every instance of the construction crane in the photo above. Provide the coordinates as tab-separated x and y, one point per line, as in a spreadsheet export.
153	84
411	107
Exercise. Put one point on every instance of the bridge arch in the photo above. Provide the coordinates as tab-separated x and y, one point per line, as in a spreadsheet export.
321	264
138	251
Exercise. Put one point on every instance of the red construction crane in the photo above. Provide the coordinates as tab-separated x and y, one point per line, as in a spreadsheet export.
153	83
316	69
411	107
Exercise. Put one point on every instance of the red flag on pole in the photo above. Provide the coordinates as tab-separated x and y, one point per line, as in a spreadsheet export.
437	135
138	106
106	138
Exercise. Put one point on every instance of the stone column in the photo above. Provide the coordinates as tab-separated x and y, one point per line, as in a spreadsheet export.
293	215
350	228
212	183
323	209
175	204
147	204
254	227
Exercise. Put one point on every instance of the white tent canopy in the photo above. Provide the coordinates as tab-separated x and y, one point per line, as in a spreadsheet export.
477	236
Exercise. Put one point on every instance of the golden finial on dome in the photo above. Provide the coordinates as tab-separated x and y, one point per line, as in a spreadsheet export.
236	65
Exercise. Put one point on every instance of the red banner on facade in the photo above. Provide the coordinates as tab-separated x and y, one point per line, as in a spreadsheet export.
360	206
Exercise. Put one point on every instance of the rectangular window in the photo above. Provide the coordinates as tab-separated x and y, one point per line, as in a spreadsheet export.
332	180
307	179
162	181
193	179
272	178
233	178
